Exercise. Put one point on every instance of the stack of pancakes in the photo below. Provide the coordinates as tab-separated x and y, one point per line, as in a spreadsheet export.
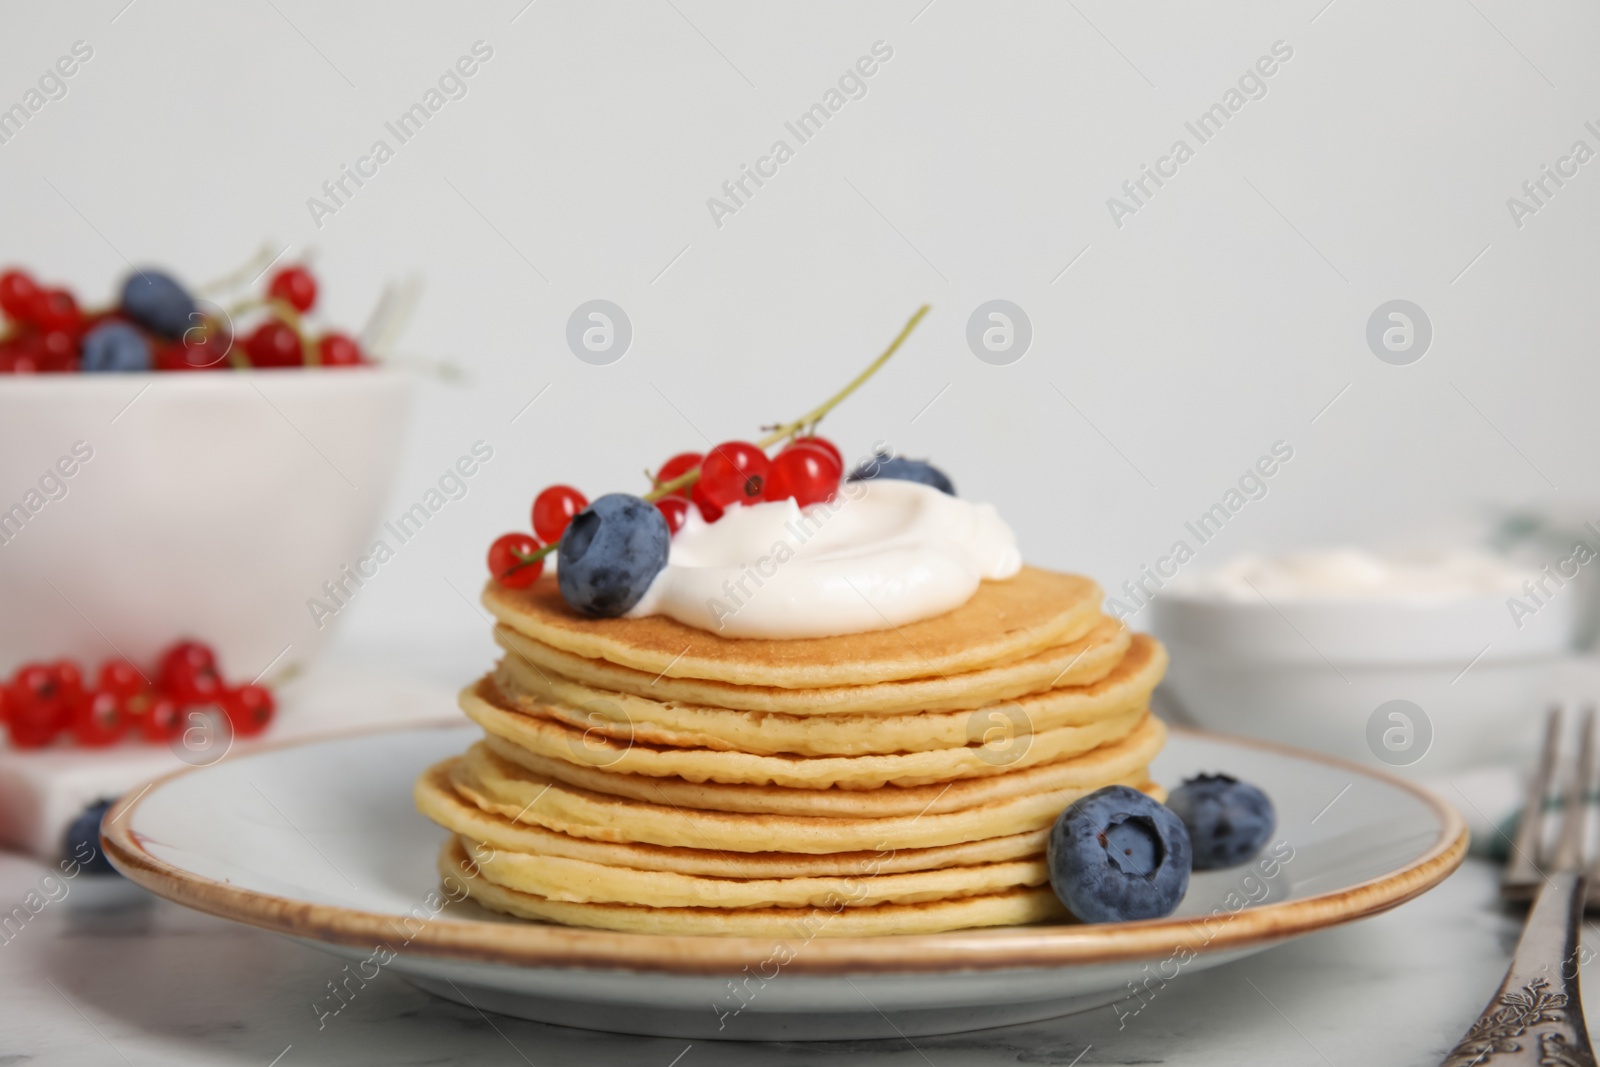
643	775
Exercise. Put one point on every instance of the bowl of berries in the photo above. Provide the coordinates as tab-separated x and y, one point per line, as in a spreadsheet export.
170	466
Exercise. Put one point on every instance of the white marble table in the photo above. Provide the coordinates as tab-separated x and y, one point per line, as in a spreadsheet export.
109	975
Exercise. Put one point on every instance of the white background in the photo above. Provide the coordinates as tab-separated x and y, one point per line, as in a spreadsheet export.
1224	316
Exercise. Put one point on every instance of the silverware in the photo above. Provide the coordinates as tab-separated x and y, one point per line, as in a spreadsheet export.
1536	1018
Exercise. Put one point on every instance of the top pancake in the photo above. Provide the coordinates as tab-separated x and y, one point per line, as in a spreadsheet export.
1002	621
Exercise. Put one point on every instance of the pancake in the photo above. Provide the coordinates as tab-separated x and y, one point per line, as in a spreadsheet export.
1009	908
624	717
1080	661
549	737
1002	621
583	882
1130	753
501	787
437	799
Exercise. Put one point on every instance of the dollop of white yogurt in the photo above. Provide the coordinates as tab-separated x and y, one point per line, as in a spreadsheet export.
1351	573
880	554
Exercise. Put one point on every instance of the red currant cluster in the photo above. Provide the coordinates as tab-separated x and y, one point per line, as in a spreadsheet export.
47	331
45	700
806	470
281	341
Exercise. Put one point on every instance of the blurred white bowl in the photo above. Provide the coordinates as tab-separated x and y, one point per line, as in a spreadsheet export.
209	505
1314	672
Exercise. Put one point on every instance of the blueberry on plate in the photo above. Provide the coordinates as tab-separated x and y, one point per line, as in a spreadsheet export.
610	553
904	470
114	346
156	302
83	839
1228	820
1117	856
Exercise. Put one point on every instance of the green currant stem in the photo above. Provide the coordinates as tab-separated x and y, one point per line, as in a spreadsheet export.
809	419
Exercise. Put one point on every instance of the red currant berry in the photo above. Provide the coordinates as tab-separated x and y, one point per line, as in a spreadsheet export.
735	472
807	474
189	673
69	678
507	558
337	350
121	678
274	344
160	720
37	708
55	309
553	508
56	350
675	509
709	510
18	292
677	467
294	286
249	709
818	442
99	719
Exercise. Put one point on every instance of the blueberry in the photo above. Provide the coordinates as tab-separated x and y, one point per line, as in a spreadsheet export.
611	552
1117	855
83	839
904	470
114	346
157	303
1228	820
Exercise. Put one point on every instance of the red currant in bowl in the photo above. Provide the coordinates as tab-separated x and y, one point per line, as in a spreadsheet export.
734	472
294	286
337	350
18	294
274	344
553	509
509	560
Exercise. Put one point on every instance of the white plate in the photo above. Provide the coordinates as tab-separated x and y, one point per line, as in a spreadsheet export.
320	841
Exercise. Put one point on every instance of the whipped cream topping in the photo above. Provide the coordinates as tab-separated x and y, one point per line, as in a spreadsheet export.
1350	573
880	554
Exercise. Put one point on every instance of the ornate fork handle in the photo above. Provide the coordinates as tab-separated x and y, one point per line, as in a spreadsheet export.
1536	1018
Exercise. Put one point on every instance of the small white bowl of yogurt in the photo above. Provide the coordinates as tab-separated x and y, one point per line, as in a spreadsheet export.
1429	661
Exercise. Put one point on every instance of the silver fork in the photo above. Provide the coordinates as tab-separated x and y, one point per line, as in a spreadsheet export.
1536	1017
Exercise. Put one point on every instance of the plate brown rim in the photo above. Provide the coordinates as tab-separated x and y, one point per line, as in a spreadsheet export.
526	944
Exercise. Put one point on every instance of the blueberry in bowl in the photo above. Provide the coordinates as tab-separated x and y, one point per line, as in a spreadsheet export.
1228	820
1117	855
